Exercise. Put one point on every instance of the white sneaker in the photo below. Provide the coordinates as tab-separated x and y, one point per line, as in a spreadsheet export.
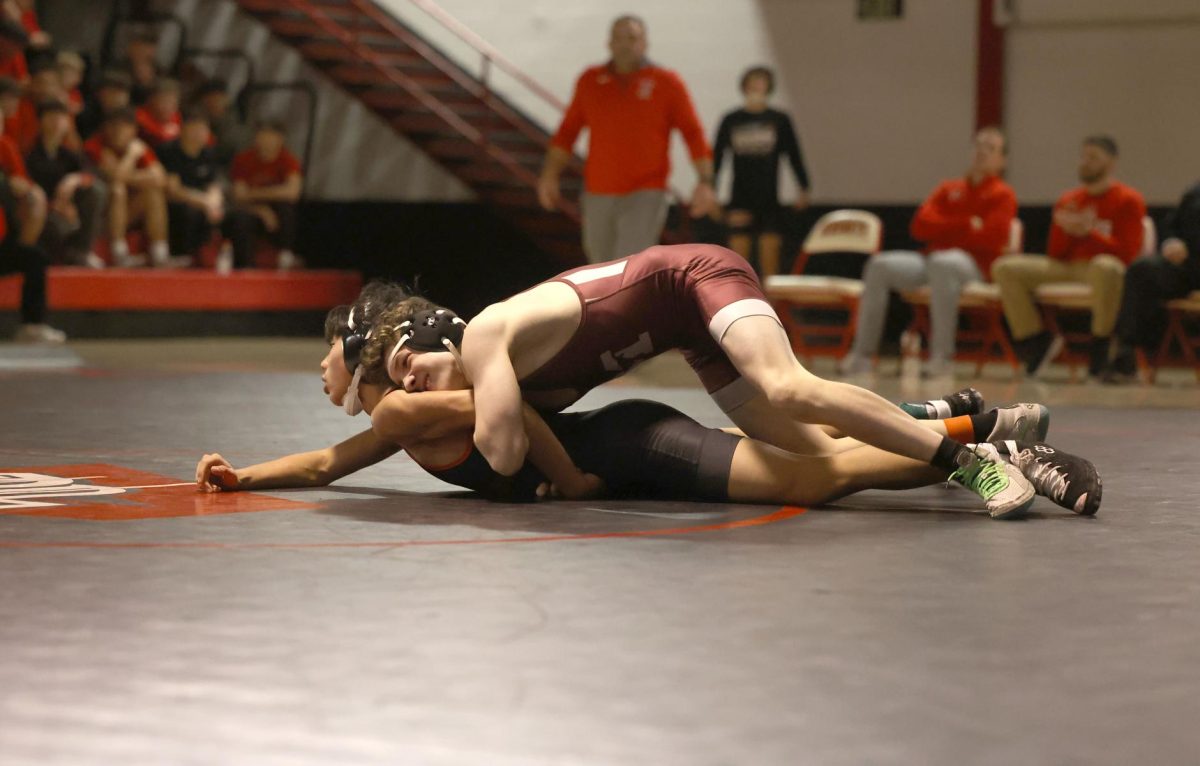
1021	422
126	260
93	261
288	260
39	333
224	265
1006	492
160	256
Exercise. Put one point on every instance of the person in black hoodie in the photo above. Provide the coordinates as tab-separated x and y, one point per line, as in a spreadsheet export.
1151	281
758	136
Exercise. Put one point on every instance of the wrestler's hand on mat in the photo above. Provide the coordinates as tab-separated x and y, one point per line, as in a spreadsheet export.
215	474
586	486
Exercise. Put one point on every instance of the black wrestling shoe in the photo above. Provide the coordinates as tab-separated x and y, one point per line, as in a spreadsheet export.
1069	481
965	402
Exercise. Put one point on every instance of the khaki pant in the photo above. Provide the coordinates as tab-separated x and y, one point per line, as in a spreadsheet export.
1019	275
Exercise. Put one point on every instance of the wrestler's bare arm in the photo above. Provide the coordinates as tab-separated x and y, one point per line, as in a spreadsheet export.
401	417
548	455
304	469
499	423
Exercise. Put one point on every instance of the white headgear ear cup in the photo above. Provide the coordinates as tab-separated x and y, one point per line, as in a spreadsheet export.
351	403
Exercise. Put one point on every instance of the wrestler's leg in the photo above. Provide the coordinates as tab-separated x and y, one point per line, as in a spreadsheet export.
761	473
759	349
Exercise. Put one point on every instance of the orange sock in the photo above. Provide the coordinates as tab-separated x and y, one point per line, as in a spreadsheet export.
960	429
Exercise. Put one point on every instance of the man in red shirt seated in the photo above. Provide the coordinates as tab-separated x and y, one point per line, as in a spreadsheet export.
1097	231
136	186
630	106
45	84
267	181
965	225
158	120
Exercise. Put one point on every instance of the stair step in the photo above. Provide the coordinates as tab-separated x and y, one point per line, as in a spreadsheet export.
333	52
365	74
346	16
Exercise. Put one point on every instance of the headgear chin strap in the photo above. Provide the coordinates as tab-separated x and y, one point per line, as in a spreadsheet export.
428	331
353	340
352	404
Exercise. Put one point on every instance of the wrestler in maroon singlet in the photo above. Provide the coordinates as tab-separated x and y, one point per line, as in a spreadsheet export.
674	296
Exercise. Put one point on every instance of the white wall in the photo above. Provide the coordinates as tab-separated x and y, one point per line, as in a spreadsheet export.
1125	67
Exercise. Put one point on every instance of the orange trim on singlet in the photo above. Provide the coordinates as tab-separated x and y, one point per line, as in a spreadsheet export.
461	459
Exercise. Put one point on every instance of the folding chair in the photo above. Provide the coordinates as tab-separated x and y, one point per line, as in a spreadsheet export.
981	336
1055	298
841	232
1180	313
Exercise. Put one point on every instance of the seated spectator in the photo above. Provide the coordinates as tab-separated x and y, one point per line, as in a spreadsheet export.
158	119
267	182
965	224
229	133
136	186
112	93
29	202
70	73
1172	272
44	85
141	61
76	197
195	202
1097	229
13	40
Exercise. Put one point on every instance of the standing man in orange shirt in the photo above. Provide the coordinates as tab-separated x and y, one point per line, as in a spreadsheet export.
1097	231
630	106
965	225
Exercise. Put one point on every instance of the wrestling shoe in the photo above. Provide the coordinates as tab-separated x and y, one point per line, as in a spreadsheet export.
1069	481
1004	489
1021	422
965	402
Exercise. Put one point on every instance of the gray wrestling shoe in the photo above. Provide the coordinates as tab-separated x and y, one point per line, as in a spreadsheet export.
1021	422
1004	489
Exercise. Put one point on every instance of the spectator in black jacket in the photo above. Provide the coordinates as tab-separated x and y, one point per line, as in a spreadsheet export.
76	196
112	93
759	137
195	202
1151	281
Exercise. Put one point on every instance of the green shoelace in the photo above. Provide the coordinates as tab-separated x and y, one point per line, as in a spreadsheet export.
984	477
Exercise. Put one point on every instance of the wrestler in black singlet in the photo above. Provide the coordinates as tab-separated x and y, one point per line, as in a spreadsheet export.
639	448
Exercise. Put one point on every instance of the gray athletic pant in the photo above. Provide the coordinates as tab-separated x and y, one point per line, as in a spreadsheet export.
946	272
617	225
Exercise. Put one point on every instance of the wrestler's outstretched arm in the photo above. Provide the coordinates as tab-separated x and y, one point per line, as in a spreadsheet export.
304	469
499	422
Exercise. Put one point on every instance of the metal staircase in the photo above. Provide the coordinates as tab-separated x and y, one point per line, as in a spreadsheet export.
452	115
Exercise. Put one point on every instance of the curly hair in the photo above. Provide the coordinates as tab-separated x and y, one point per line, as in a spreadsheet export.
385	334
376	297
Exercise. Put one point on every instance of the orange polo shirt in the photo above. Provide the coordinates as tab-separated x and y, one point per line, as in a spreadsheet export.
1118	229
943	221
630	118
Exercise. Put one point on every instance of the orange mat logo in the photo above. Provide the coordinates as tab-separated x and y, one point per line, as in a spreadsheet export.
100	492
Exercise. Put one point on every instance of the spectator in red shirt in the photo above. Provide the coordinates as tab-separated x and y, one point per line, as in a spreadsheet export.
630	106
965	225
1097	230
136	186
30	202
267	182
76	196
112	93
13	41
158	119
